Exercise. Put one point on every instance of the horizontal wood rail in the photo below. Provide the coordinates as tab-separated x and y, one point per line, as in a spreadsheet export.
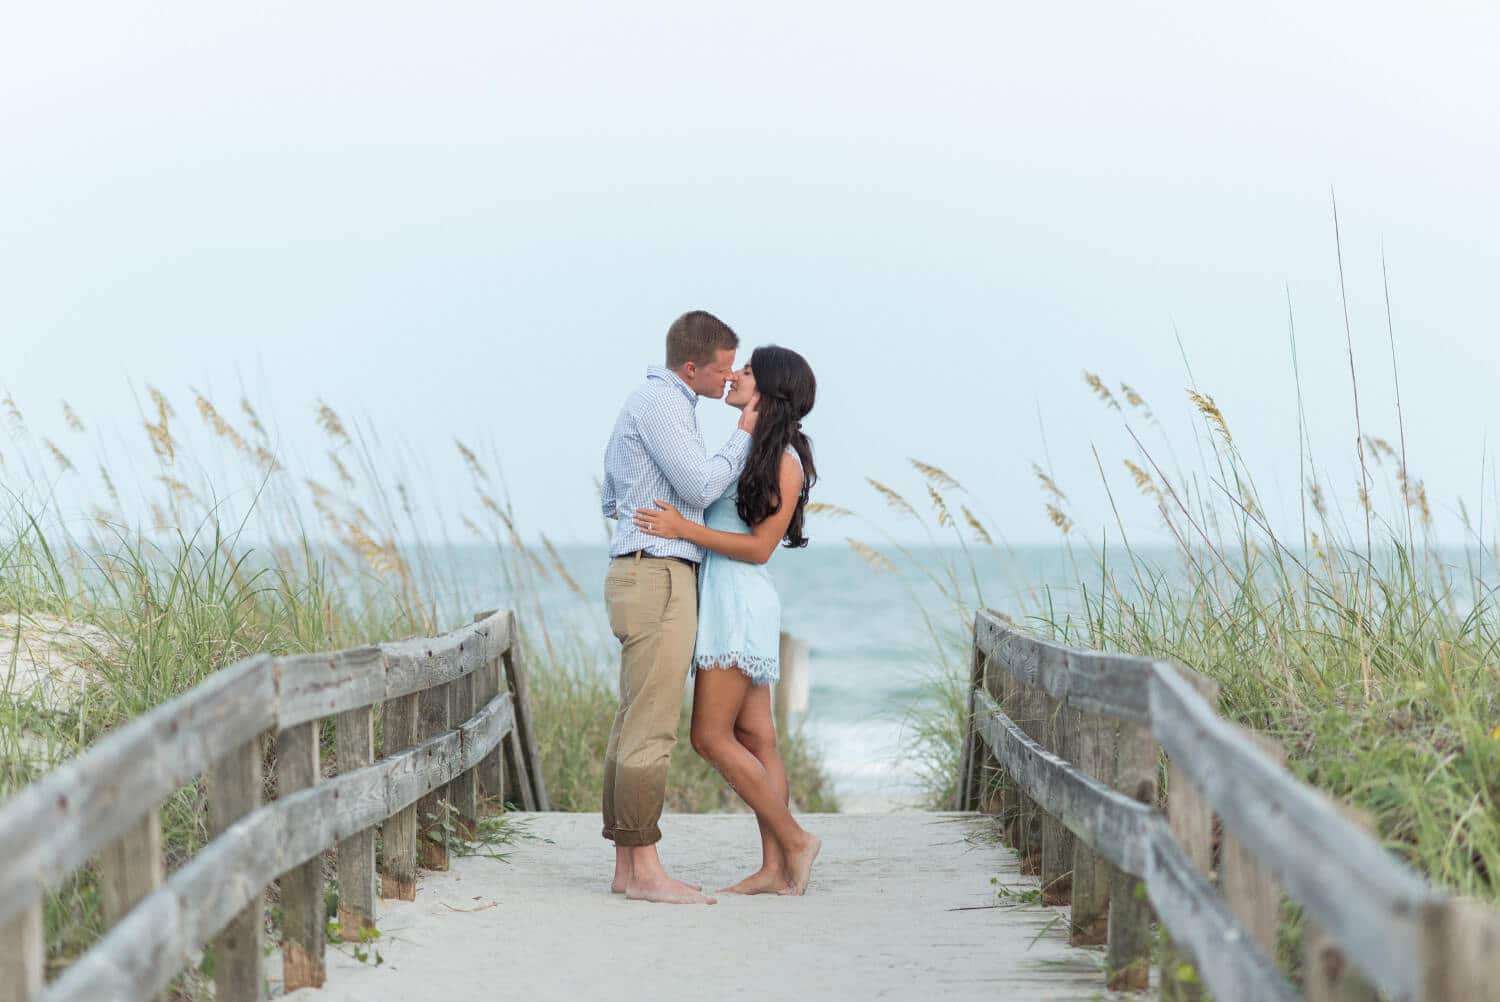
477	743
1065	745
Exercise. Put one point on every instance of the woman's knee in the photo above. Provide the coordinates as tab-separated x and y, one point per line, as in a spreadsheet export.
709	741
760	742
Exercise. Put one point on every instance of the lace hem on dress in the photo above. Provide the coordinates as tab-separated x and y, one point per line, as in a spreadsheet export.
762	671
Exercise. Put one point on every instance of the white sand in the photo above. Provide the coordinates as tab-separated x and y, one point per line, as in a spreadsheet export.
879	921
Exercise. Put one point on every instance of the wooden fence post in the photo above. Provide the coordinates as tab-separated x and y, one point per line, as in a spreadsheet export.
1327	974
130	867
23	955
972	751
1023	709
1128	962
302	917
1094	749
1251	890
355	731
992	781
1057	840
525	732
398	869
490	773
432	808
462	792
234	790
1191	820
789	694
1460	952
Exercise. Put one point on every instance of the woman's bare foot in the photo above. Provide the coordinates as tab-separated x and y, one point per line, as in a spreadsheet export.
667	891
762	881
799	862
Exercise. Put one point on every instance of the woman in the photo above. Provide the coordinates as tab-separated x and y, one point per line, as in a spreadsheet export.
739	615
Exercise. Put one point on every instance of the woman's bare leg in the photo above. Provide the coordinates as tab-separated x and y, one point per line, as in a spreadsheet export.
756	730
719	699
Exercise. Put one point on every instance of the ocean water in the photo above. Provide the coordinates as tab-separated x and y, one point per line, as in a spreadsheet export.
873	637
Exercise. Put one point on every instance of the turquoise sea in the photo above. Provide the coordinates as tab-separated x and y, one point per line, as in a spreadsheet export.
873	636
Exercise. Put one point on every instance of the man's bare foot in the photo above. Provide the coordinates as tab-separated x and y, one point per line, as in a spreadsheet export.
667	891
762	881
799	863
622	883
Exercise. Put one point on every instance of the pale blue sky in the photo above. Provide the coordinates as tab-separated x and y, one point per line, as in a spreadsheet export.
478	219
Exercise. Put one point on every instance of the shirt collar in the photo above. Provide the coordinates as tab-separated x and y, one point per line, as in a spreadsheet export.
668	376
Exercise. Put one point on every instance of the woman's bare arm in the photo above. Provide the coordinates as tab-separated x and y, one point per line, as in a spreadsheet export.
753	547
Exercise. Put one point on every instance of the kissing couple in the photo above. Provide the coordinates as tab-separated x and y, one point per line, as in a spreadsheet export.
688	594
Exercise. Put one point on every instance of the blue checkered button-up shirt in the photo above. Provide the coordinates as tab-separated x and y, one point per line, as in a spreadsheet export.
657	451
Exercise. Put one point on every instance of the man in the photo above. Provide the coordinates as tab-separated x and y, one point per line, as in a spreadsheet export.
656	451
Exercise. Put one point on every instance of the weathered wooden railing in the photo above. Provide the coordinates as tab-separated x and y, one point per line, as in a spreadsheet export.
454	739
1078	737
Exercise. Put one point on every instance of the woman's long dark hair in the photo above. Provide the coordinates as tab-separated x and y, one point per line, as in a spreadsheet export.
787	390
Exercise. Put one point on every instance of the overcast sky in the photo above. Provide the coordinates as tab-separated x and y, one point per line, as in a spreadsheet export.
479	219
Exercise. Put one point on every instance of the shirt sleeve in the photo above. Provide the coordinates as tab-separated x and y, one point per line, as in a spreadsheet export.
607	497
671	439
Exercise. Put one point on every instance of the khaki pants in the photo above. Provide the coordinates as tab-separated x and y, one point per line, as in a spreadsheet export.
653	611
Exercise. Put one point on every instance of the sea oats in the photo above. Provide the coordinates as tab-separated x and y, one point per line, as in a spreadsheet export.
824	508
1143	480
1134	399
1100	390
935	476
1315	494
215	420
944	519
58	456
877	560
471	461
179	490
1210	410
70	416
343	471
1048	484
468	523
328	420
979	530
1059	519
164	407
14	412
896	501
267	460
255	424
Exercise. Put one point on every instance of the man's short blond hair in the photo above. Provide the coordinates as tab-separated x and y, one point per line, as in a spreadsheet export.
698	336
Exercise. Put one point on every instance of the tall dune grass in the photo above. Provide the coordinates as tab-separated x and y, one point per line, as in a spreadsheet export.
207	543
1370	652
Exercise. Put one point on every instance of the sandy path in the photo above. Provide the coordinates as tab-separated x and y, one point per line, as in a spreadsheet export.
878	922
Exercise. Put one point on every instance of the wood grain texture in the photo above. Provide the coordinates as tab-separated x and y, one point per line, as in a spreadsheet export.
398	865
355	736
1460	952
971	755
434	710
515	678
23	954
58	823
130	867
1191	822
1089	920
463	796
140	955
234	790
1343	879
1057	841
1249	886
1112	685
423	662
302	925
314	686
489	775
1128	959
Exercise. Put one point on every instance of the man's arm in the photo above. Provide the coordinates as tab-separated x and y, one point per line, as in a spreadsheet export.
607	497
671	440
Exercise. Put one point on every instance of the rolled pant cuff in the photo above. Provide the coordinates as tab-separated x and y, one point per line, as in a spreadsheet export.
637	836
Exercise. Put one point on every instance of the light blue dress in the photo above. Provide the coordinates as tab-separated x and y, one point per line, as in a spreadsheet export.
739	613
